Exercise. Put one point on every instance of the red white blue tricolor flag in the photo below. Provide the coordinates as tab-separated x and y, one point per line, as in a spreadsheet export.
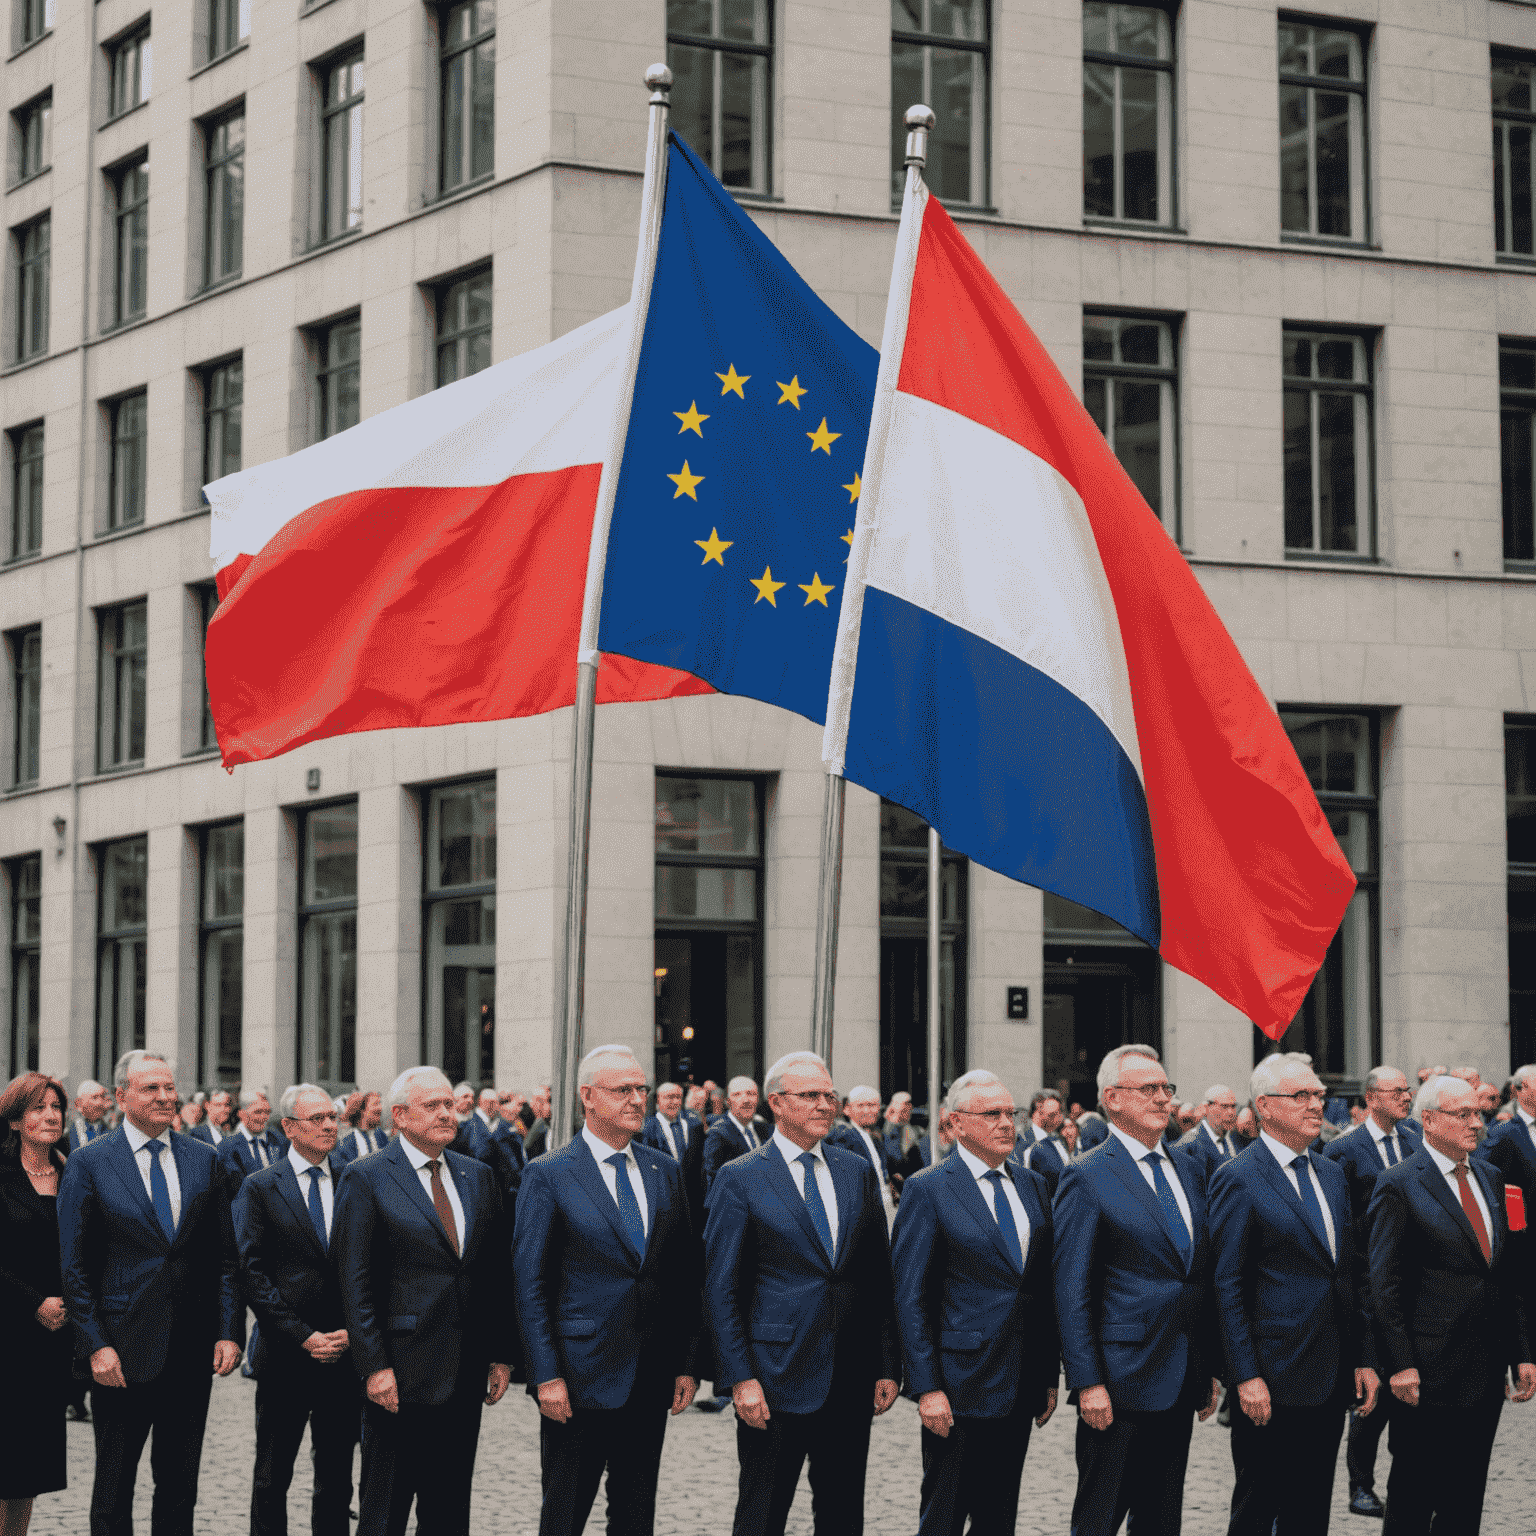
1025	659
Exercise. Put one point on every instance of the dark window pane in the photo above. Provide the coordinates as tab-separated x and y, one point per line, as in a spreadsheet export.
1333	163
1336	359
1295	49
1096	401
706	816
1099	140
1520	234
330	854
1337	54
1139	130
901	828
1295	177
1336	490
743	97
1516	469
1517	368
1298	469
958	83
224	872
1139	438
906	91
695	16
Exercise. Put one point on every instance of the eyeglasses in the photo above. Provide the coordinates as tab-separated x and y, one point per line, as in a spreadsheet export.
814	1096
1466	1116
1302	1098
1150	1090
1394	1093
991	1116
625	1090
317	1121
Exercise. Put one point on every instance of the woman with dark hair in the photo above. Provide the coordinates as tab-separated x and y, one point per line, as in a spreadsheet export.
36	1341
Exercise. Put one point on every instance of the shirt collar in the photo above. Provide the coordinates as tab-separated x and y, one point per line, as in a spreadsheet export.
1377	1134
419	1159
600	1148
245	1131
1137	1149
485	1119
1219	1140
1442	1162
979	1170
740	1125
1529	1119
790	1151
301	1165
1282	1153
137	1139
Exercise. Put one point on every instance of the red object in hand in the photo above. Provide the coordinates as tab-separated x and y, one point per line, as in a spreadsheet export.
1514	1206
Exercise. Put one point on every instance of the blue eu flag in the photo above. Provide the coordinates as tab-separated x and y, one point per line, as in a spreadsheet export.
735	504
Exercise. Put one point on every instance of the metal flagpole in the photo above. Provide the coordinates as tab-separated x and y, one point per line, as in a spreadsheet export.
935	1024
827	899
568	1021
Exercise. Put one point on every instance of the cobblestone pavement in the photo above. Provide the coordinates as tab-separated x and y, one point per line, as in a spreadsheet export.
698	1477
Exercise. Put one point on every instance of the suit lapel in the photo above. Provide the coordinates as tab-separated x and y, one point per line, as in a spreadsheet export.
1120	1160
850	1208
652	1181
590	1177
193	1174
126	1166
298	1202
410	1181
1495	1208
783	1184
975	1205
461	1183
1434	1181
1275	1175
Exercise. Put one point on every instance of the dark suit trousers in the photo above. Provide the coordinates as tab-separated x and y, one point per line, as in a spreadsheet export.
1284	1470
425	1454
1134	1467
1365	1436
1440	1468
326	1397
974	1470
627	1441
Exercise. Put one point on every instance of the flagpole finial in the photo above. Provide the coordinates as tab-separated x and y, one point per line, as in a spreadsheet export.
658	79
920	121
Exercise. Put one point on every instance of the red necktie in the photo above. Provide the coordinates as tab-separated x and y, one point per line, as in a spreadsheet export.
441	1205
1475	1216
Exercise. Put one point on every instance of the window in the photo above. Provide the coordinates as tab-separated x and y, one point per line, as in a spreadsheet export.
32	288
720	53
939	56
341	147
223	197
129	423
464	327
467	81
1512	172
1520	805
26	656
1322	132
1127	112
1338	1022
33	18
1517	449
229	24
459	1023
130	245
122	870
1129	380
328	947
338	376
34	137
1327	412
222	939
223	390
208	605
25	877
123	656
26	490
130	60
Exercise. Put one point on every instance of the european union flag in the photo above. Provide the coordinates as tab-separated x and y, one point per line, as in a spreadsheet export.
735	504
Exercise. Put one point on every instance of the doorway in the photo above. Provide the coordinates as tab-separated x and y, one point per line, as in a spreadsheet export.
1096	997
706	1007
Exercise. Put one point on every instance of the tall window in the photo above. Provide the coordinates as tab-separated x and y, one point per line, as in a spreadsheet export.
129	424
26	490
338	376
1130	377
720	53
34	136
229	24
223	393
122	870
208	605
1517	449
1338	1022
130	246
328	947
1327	411
1520	808
32	241
222	912
26	657
120	710
459	1023
341	148
1127	112
939	56
464	327
1322	132
223	196
1513	118
26	882
130	77
467	82
33	18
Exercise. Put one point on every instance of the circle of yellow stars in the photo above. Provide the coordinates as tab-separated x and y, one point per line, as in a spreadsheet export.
687	484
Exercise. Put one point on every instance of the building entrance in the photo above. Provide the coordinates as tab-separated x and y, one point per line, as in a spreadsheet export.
706	1007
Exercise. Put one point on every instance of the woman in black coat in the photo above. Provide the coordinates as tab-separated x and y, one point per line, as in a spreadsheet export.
36	1341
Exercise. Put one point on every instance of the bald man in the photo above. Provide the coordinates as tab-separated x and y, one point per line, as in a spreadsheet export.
859	1134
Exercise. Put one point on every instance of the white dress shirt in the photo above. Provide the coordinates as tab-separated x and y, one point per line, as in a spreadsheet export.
485	1120
1379	1136
259	1153
214	1131
1139	1150
1058	1148
301	1166
1221	1141
876	1154
676	1132
602	1152
823	1176
748	1134
419	1161
988	1188
1529	1121
138	1141
1283	1155
1446	1166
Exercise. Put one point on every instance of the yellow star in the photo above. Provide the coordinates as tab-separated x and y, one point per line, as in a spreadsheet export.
733	381
766	587
714	546
791	391
685	482
823	439
853	490
847	538
690	419
816	592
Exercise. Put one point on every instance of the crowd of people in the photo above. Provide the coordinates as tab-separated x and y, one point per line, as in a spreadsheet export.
1297	1265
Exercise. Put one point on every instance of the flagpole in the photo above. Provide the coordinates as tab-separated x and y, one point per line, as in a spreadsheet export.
567	1042
827	899
935	1023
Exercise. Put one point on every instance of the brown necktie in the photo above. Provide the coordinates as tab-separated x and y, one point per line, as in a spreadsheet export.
440	1204
1475	1216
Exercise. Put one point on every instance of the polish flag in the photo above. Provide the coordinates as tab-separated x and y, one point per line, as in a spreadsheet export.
425	566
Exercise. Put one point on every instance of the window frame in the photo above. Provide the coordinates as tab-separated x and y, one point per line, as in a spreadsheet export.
127	219
210	1056
216	186
332	113
108	946
224	10
928	41
1511	398
24	881
308	1070
24	116
1507	117
459	340
24	659
33	282
208	605
717	47
32	21
448	53
24	465
323	338
116	486
136	41
1117	61
112	652
1520	889
208	377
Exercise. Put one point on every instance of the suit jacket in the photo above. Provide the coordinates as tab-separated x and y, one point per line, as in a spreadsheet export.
203	1132
1055	1149
354	1143
778	1308
126	1285
592	1308
238	1156
846	1135
77	1139
1355	1153
289	1277
536	1139
971	1324
1092	1130
1197	1145
512	1139
1438	1307
1288	1310
724	1142
410	1303
1041	1161
653	1135
1511	1150
1132	1317
497	1155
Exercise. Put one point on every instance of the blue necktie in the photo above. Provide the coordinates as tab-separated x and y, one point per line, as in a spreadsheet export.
629	1207
1173	1217
675	1136
160	1191
1388	1146
1301	1167
814	1208
1004	1213
316	1209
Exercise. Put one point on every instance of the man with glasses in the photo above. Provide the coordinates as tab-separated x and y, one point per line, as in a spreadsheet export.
1211	1141
1450	1320
798	1297
1290	1300
1138	1338
859	1135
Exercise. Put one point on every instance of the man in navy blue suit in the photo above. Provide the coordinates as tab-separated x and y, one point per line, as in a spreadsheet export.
91	1102
976	1313
607	1274
736	1132
251	1148
1511	1148
1290	1301
424	1258
1043	1130
798	1298
1133	1264
150	1282
215	1126
672	1129
860	1134
283	1219
1212	1141
1449	1316
363	1134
